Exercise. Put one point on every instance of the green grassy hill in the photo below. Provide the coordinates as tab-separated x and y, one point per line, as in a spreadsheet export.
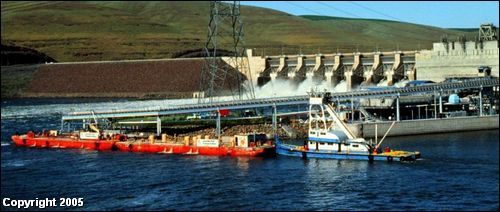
87	30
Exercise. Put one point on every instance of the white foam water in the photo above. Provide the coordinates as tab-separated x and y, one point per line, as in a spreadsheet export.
280	88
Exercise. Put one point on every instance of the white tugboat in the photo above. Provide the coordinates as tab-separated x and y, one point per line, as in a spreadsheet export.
337	141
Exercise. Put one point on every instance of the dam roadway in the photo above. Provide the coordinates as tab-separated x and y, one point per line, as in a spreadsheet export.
284	101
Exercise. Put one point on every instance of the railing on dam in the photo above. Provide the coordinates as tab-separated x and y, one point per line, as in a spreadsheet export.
281	101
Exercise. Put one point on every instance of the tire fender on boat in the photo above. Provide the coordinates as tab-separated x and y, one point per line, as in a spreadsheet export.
129	147
304	155
389	158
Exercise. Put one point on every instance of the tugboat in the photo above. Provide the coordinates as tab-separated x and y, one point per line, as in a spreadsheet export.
336	141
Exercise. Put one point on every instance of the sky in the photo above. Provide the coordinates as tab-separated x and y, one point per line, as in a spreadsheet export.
444	14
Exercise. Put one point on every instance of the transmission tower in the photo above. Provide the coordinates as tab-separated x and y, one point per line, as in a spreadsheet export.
487	32
225	37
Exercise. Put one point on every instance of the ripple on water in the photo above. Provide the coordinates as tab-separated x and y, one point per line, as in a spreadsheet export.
15	163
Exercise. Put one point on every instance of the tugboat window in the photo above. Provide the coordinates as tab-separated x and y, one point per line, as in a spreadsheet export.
355	145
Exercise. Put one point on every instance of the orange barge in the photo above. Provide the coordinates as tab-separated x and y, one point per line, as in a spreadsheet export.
252	145
62	142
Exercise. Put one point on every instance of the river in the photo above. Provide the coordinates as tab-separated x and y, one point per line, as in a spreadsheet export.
459	171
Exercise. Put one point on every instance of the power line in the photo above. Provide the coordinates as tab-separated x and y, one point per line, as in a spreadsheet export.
430	28
343	11
386	15
304	8
354	24
375	11
362	26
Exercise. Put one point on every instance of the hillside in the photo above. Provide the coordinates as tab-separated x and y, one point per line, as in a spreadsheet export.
88	30
12	55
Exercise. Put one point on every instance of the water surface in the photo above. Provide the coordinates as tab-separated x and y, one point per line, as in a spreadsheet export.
459	171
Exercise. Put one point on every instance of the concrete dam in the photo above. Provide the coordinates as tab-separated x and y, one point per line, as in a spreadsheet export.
353	68
445	60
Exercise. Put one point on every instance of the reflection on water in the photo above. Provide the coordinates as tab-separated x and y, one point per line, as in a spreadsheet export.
243	163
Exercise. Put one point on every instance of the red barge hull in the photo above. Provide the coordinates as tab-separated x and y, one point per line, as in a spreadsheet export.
62	143
160	148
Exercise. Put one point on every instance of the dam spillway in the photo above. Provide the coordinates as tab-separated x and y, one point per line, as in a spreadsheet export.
354	68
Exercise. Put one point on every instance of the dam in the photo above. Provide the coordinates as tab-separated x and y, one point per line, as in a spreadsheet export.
447	59
353	68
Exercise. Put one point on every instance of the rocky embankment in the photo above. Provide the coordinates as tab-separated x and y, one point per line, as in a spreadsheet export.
147	79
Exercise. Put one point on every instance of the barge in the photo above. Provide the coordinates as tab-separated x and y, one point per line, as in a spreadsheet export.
62	141
252	145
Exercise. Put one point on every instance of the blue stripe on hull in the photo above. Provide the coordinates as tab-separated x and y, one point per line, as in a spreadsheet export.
337	156
385	158
286	152
324	140
280	150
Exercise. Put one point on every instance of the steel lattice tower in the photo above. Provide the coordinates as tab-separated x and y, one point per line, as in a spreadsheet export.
225	34
487	32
